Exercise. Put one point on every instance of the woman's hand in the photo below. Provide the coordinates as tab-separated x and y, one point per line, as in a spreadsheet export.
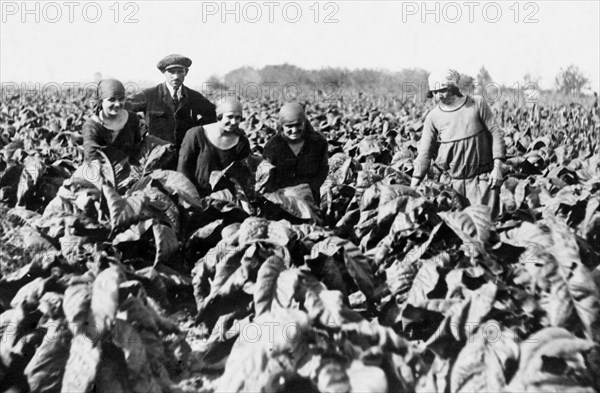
496	176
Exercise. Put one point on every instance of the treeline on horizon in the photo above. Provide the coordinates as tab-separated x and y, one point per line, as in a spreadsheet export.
323	82
287	82
406	84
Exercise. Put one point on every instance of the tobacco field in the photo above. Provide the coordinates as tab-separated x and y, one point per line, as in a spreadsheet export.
120	278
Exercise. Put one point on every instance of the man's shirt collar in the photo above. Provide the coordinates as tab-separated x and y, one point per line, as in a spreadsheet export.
179	91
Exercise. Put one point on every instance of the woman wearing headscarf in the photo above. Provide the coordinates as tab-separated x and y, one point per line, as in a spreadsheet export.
111	129
470	145
213	147
299	153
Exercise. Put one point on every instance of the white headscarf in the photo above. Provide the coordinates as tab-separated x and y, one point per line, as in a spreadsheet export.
439	79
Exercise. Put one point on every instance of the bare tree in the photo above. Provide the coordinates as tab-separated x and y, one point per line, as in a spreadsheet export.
571	80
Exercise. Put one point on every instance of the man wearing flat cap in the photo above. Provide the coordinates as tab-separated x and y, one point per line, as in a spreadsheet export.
299	153
171	108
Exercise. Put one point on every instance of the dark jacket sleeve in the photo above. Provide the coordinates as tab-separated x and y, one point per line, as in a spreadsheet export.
139	131
211	112
188	154
138	102
205	108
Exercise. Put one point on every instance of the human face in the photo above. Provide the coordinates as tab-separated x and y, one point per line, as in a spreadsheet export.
293	132
230	121
444	95
112	106
175	76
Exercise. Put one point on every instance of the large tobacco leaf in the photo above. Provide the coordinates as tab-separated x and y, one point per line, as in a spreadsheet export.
275	286
30	293
444	323
297	201
155	153
162	203
228	282
567	285
552	361
82	365
590	226
76	305
367	378
369	334
46	369
264	176
325	307
357	264
134	232
333	377
436	380
178	184
472	224
33	171
105	302
487	361
140	375
96	172
326	269
166	242
280	344
238	174
124	211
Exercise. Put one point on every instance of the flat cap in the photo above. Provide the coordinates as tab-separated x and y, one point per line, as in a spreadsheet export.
174	60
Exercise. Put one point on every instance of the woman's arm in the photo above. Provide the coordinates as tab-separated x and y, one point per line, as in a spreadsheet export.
244	148
270	151
427	146
498	144
323	165
91	141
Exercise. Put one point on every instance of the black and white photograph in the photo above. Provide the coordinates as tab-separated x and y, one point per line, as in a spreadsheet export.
300	196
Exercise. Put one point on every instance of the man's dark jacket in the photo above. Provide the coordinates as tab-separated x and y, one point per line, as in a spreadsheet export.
167	122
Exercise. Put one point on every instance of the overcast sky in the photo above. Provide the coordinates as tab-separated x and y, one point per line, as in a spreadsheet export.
72	41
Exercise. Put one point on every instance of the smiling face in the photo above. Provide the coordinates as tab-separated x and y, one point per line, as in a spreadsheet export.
112	106
293	132
230	121
175	76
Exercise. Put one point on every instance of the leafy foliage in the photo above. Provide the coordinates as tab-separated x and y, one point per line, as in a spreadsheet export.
380	288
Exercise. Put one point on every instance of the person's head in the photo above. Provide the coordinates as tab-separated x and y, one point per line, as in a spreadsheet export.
292	122
174	68
229	114
444	85
110	97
